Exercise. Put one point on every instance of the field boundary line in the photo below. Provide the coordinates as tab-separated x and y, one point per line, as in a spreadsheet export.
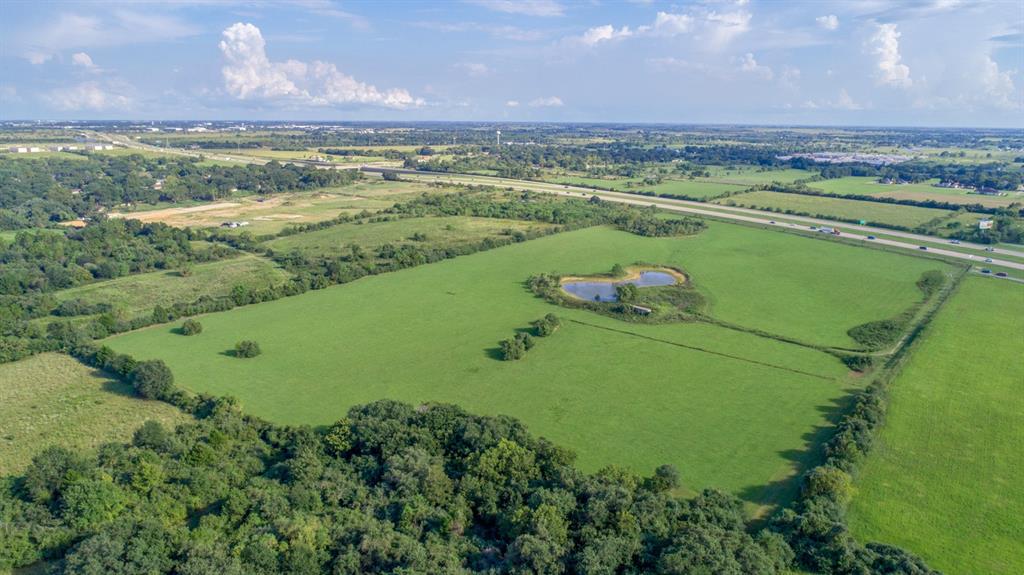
704	350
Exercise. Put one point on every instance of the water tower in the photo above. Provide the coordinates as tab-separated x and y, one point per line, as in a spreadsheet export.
498	132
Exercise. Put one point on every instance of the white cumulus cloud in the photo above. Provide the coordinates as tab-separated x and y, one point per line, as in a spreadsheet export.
512	103
998	86
249	73
829	22
548	102
669	24
606	33
885	44
82	59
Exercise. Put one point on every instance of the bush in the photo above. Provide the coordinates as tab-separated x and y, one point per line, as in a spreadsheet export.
191	327
547	325
512	349
153	379
877	334
247	348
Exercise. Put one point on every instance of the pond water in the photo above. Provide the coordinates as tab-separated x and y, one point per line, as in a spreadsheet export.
605	291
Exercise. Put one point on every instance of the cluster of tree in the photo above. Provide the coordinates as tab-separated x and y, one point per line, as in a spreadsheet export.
546	325
1005	228
40	191
38	262
388	489
647	224
516	347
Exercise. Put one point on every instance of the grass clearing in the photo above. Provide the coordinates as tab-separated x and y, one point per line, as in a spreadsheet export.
430	333
438	232
907	216
949	453
51	399
137	294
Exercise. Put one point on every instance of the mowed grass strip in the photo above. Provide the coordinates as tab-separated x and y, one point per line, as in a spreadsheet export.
51	399
434	231
431	333
944	480
906	216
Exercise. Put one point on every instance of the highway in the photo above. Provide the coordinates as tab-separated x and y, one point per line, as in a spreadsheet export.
849	231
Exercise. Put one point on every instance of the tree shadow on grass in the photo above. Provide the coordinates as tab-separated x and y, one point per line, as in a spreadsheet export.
229	353
494	353
781	492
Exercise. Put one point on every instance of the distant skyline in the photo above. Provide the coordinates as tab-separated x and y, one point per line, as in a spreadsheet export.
874	63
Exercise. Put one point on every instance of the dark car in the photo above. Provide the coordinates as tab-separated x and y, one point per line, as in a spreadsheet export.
872	238
986	271
922	248
1001	274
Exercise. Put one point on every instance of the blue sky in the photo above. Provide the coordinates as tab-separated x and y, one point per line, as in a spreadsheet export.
934	62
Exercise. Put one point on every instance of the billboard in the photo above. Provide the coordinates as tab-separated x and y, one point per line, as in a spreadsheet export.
985	225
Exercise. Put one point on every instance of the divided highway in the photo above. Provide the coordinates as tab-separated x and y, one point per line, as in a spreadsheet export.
850	231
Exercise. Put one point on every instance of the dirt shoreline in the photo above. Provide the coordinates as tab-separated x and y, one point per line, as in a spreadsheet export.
632	273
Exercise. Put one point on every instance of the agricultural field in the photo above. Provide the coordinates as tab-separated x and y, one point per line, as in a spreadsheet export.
690	394
949	454
52	399
872	212
271	214
137	294
437	232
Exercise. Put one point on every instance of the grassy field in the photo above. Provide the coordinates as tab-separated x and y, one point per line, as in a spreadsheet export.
748	176
950	453
869	186
690	188
430	333
51	399
908	216
137	294
439	232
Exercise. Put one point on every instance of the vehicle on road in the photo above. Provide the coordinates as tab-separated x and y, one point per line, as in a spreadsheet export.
954	242
771	222
988	260
990	249
925	248
872	238
986	271
1001	274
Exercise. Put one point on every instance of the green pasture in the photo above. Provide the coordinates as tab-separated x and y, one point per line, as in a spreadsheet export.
872	212
748	176
950	452
869	186
729	408
436	231
51	399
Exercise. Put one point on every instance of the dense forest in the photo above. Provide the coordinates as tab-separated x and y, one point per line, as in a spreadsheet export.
40	191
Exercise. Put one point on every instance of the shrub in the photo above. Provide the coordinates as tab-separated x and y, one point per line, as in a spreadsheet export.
153	379
512	349
247	348
191	327
877	334
547	325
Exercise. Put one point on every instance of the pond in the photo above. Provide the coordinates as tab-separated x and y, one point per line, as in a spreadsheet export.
605	290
